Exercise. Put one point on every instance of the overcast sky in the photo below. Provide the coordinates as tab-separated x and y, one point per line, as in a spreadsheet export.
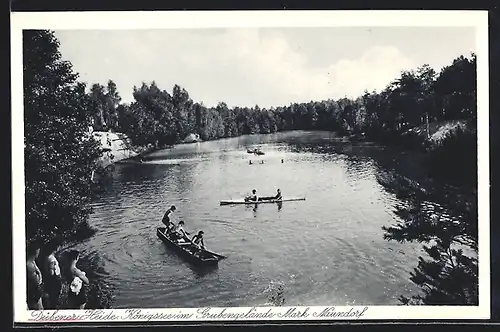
268	67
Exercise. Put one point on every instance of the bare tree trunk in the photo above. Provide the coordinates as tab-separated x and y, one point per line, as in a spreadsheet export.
427	123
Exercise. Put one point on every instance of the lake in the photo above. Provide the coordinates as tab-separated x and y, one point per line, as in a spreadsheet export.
326	250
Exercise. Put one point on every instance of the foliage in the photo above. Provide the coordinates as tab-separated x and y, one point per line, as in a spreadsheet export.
104	103
460	144
59	157
449	272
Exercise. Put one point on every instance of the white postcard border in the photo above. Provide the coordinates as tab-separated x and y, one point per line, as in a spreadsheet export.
241	19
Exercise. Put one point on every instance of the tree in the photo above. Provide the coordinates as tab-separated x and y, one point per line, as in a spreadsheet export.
98	102
456	89
59	154
113	100
182	106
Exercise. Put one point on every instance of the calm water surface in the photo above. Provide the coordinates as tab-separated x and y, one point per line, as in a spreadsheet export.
327	250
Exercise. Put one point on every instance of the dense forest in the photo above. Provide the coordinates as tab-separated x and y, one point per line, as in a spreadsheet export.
59	156
421	95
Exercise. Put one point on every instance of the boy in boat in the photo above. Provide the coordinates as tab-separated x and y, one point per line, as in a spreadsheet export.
252	197
198	240
179	232
278	196
166	219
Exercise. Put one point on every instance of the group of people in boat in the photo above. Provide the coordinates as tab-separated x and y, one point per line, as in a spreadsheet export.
255	198
255	151
177	232
45	279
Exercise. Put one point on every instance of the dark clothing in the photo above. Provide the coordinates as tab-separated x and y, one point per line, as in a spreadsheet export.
166	218
53	286
34	294
253	198
176	236
76	300
166	221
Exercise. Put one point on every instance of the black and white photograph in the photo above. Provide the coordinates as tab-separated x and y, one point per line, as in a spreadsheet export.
250	166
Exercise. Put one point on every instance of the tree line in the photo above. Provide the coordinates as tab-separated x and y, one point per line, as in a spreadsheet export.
418	96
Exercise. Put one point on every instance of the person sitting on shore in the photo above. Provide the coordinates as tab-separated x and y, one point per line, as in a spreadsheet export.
34	278
77	295
52	277
197	240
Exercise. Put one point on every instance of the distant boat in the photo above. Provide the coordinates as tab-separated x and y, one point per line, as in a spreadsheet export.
256	152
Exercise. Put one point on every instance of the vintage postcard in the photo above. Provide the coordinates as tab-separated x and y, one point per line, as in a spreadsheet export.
236	166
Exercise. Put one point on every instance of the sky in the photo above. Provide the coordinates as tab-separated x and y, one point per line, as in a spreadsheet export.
267	66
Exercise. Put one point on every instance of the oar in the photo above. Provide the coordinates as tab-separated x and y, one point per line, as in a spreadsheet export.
208	251
216	255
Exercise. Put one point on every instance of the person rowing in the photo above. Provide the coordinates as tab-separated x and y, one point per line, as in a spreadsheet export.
197	240
179	231
252	197
276	197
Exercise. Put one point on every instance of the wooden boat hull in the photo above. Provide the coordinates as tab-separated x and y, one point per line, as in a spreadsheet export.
271	201
205	258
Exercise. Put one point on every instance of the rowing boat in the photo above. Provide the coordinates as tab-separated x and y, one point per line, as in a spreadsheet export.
256	152
189	251
242	201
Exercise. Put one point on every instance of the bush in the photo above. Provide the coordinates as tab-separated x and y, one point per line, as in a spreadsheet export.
454	159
